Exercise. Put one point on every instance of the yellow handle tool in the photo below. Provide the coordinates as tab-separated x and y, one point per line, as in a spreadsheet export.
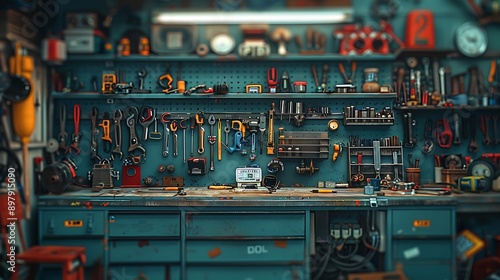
23	114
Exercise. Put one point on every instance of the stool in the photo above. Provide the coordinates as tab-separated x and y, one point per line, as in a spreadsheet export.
72	259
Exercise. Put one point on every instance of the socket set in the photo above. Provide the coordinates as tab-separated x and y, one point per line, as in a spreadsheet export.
368	116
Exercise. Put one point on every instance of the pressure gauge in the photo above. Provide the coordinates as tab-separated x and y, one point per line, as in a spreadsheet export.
471	39
482	167
222	44
333	125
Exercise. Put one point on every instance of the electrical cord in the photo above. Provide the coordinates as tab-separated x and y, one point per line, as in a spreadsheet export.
352	253
11	161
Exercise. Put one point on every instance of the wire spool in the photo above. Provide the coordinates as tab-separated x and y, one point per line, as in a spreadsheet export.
57	177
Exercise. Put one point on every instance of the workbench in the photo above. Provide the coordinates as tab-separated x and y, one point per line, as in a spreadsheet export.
234	234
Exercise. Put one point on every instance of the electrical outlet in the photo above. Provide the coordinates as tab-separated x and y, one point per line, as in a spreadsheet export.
346	231
335	231
357	231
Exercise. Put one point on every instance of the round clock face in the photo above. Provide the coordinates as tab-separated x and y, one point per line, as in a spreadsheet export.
471	39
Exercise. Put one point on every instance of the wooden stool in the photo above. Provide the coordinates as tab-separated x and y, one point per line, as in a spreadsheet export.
72	259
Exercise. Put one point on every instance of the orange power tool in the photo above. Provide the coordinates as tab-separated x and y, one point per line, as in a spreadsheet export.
23	114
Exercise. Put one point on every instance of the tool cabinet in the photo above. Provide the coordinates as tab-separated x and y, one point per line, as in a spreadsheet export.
423	242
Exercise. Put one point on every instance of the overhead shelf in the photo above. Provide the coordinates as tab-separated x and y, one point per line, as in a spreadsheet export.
156	95
225	58
441	108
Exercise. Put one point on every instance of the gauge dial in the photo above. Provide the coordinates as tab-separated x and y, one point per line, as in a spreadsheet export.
471	39
482	167
333	125
222	44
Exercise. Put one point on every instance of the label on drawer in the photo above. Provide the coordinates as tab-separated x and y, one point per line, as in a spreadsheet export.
421	223
411	253
73	223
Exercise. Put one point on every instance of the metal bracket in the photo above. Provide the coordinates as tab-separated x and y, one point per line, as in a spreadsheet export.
373	202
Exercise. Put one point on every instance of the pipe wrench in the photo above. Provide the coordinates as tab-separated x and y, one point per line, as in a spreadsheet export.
134	144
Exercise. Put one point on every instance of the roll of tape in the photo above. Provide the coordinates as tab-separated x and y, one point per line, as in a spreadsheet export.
202	50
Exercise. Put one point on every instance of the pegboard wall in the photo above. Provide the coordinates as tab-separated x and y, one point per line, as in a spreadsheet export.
448	15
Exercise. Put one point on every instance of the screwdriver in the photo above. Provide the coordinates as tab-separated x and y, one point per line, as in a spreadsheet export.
324	191
192	124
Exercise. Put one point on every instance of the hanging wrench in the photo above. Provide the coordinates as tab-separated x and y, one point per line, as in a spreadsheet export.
473	144
192	124
173	128
95	133
76	134
201	132
147	118
396	168
134	144
456	123
227	129
155	134
262	129
183	127
252	155
117	118
63	135
485	127
211	139
166	132
496	140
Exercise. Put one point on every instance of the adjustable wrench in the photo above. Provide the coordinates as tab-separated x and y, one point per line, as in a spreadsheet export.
95	132
456	132
473	144
201	132
173	128
117	118
134	143
211	139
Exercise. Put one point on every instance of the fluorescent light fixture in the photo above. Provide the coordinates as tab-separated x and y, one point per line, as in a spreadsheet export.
302	16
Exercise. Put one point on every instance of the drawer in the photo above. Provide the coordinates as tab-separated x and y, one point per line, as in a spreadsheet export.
429	270
93	254
245	224
144	251
246	272
422	223
227	251
151	272
144	225
72	223
416	250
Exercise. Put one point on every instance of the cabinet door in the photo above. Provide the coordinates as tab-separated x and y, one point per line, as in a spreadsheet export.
422	223
151	272
144	251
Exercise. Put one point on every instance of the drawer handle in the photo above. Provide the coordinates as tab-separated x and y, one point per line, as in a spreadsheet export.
90	224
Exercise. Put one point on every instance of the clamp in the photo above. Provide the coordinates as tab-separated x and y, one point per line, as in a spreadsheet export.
443	133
